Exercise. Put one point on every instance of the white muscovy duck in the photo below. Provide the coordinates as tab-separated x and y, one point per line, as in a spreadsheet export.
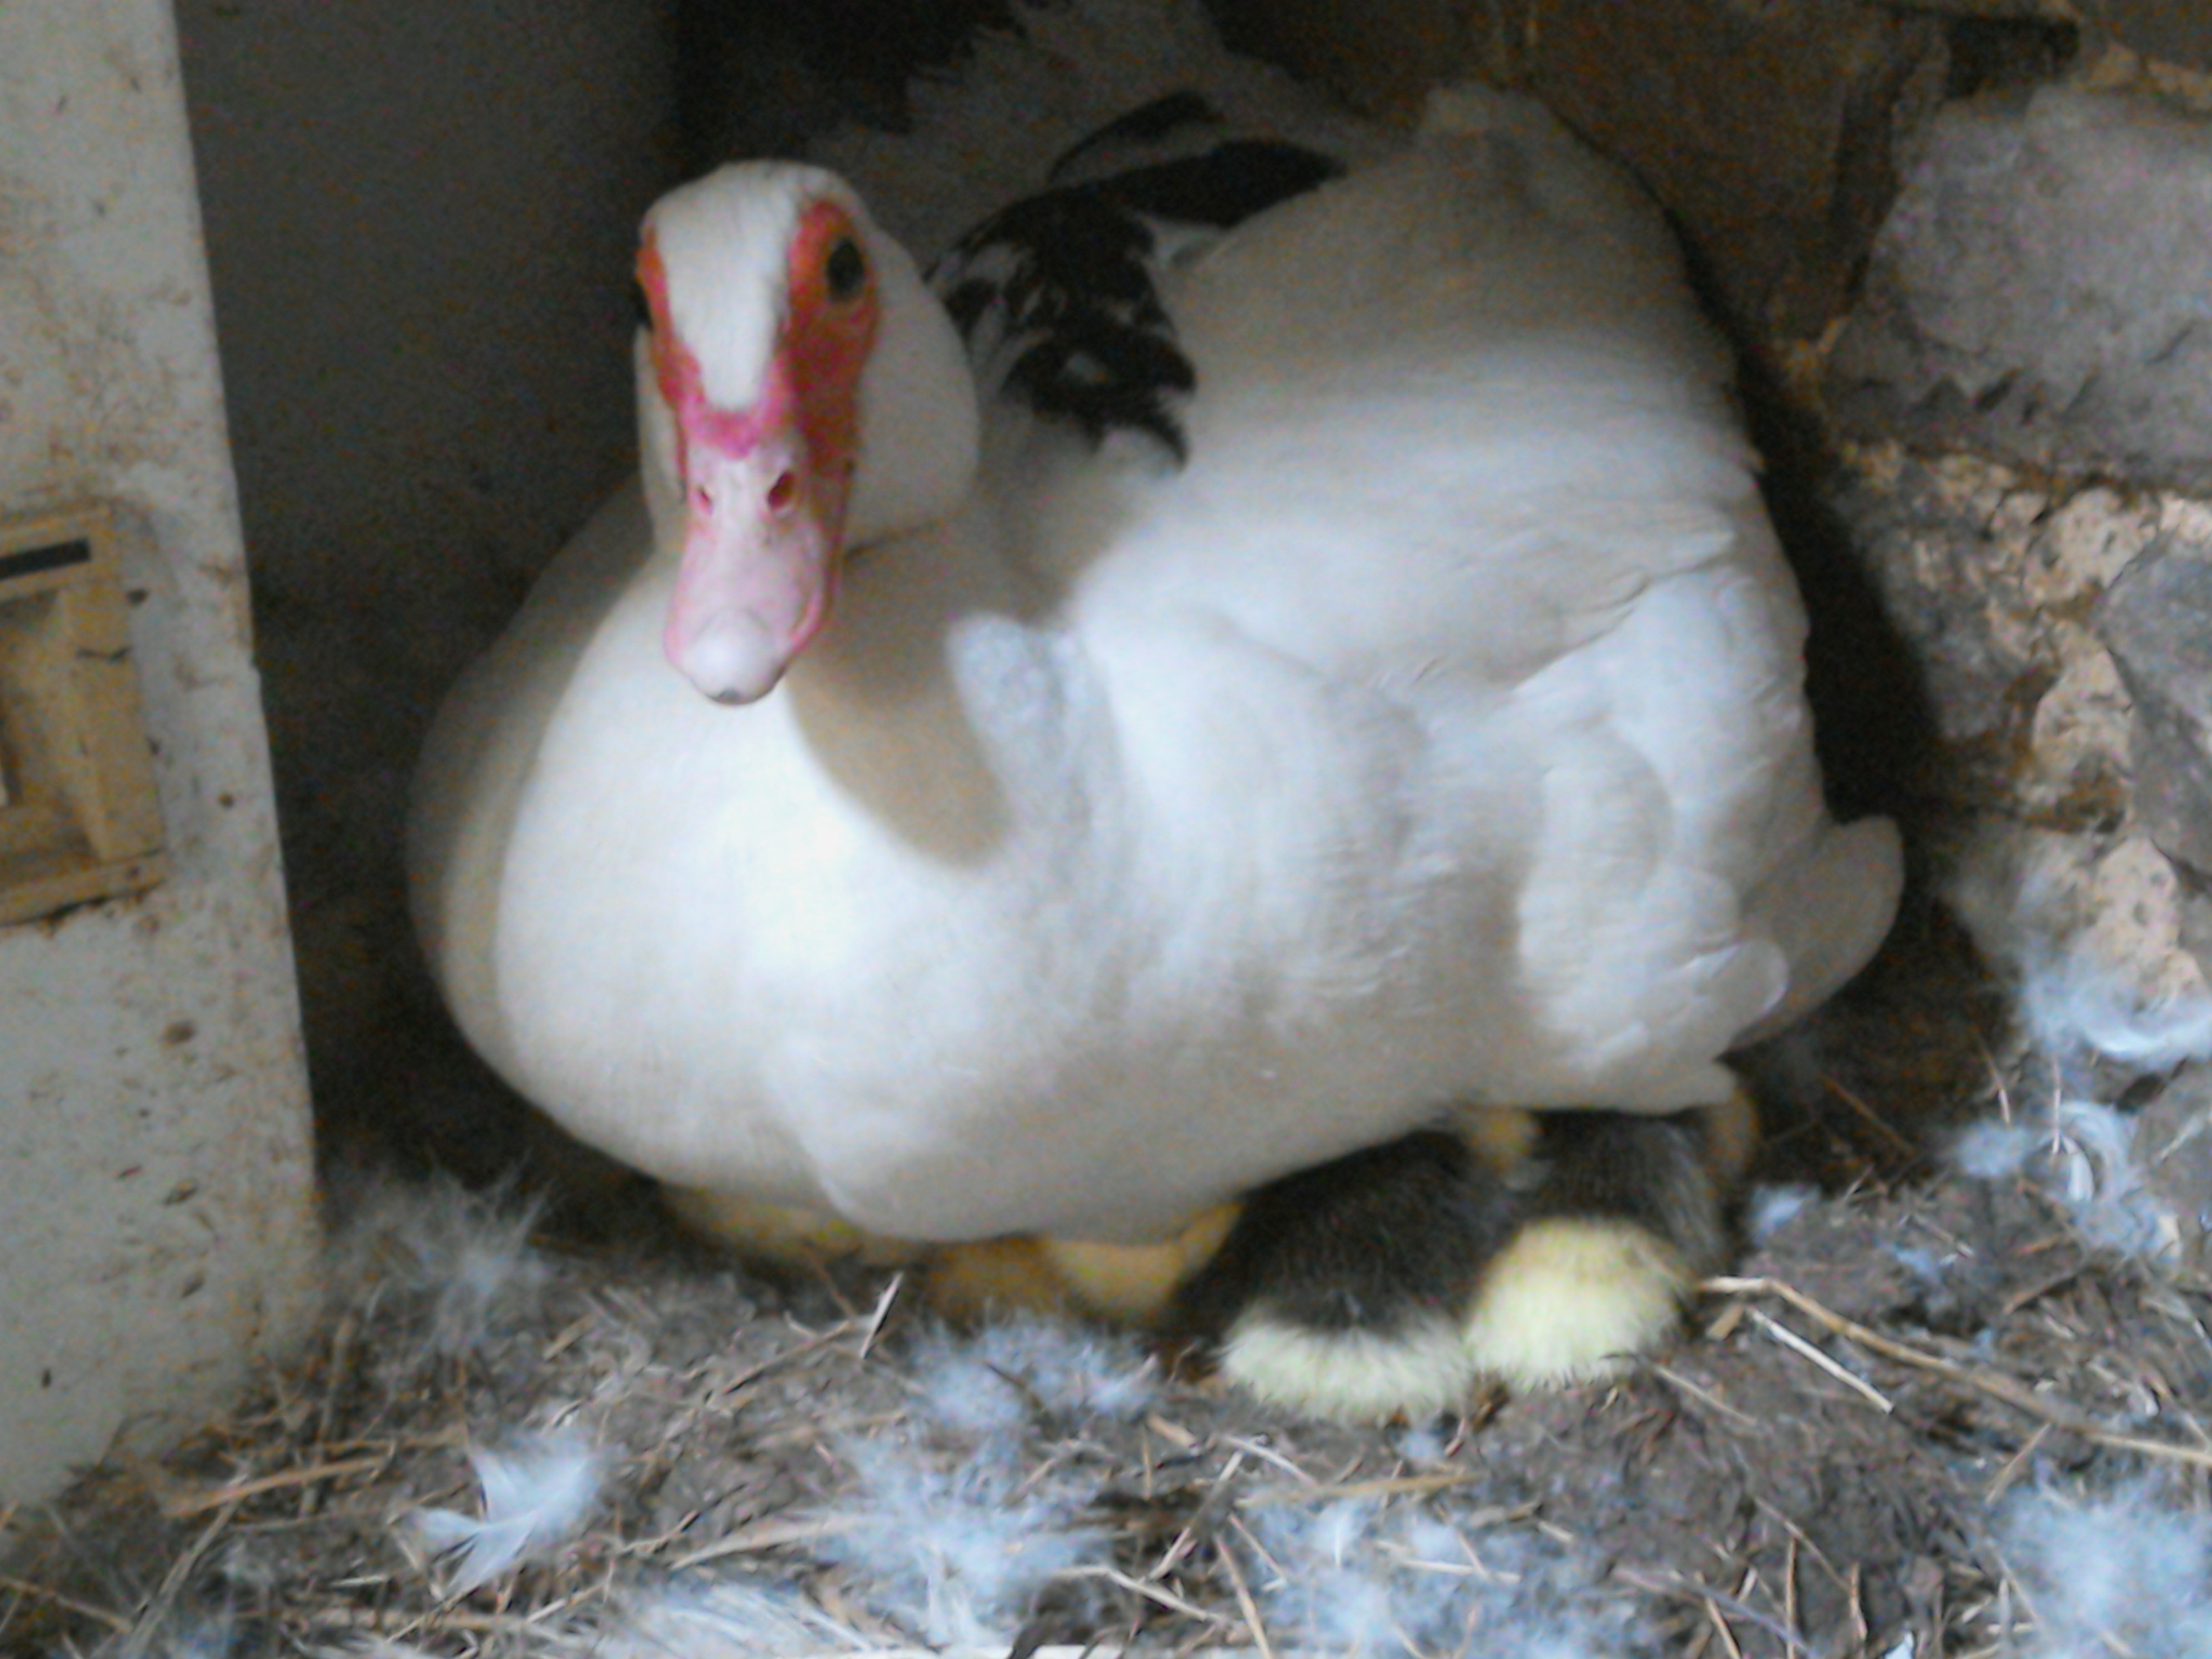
1347	678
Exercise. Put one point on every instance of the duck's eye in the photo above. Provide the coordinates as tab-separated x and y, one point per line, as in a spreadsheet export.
844	270
641	308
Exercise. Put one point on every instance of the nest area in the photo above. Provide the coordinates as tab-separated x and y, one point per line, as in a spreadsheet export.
1932	1412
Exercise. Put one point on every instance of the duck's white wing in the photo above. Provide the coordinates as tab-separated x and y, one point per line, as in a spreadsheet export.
1460	443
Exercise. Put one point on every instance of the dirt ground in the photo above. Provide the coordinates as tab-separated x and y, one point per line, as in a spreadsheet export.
1822	1467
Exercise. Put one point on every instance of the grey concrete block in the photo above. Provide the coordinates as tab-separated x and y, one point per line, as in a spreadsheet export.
2157	622
2042	291
2171	31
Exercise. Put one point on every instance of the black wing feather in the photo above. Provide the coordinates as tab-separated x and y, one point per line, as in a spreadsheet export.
1056	296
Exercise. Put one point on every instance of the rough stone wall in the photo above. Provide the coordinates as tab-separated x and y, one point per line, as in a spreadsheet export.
2027	386
2013	591
2038	292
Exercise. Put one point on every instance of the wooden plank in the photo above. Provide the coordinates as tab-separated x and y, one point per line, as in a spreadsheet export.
80	818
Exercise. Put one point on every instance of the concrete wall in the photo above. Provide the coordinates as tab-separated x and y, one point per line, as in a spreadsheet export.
156	1202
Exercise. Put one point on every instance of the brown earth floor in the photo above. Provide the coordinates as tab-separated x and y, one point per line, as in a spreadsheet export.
1819	1467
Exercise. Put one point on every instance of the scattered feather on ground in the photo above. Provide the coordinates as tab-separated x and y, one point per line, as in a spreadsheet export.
1351	1577
955	1543
816	1468
2084	1154
2131	1574
466	1254
536	1496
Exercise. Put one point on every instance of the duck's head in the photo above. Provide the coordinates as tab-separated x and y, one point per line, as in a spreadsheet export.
800	392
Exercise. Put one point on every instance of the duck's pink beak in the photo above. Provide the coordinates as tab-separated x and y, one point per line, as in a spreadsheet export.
765	485
760	565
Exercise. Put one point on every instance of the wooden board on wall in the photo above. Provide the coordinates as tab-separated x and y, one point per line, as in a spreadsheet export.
79	816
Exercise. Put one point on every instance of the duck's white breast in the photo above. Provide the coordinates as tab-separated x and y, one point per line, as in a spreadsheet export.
1059	962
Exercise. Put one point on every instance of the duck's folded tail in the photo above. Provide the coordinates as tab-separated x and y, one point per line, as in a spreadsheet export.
1829	911
1470	109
